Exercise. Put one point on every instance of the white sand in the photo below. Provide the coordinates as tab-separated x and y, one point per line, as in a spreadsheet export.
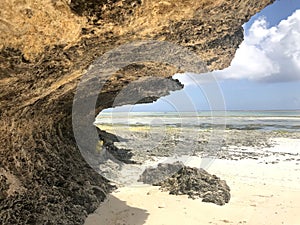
260	194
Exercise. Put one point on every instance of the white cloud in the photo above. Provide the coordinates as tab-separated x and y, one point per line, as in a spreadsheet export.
268	54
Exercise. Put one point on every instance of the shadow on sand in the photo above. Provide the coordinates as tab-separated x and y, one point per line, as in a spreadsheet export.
116	212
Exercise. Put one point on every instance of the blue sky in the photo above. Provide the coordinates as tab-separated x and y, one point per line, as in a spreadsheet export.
276	12
264	75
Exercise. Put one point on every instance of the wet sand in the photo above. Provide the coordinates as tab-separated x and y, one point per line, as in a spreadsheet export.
262	193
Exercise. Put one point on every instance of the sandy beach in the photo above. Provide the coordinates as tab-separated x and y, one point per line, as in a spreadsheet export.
262	192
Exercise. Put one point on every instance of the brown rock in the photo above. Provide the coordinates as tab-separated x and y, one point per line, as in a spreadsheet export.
44	50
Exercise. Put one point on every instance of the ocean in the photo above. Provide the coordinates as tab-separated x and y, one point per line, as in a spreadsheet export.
148	138
240	120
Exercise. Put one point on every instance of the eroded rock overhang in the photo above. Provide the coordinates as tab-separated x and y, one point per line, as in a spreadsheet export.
46	48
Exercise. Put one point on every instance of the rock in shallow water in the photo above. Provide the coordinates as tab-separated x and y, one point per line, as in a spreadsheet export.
194	182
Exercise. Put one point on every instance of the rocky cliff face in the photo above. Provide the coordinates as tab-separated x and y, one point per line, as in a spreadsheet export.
45	49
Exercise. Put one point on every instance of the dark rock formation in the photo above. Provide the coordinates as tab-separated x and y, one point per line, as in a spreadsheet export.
159	173
45	48
122	155
194	182
4	187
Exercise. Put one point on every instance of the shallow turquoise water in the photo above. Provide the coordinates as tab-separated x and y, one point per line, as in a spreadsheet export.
241	120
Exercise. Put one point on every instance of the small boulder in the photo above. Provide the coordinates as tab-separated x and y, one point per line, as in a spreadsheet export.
183	180
161	172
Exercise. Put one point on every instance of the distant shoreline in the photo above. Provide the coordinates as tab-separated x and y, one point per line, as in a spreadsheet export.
199	111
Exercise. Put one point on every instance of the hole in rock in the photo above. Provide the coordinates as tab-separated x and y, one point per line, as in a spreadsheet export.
186	126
